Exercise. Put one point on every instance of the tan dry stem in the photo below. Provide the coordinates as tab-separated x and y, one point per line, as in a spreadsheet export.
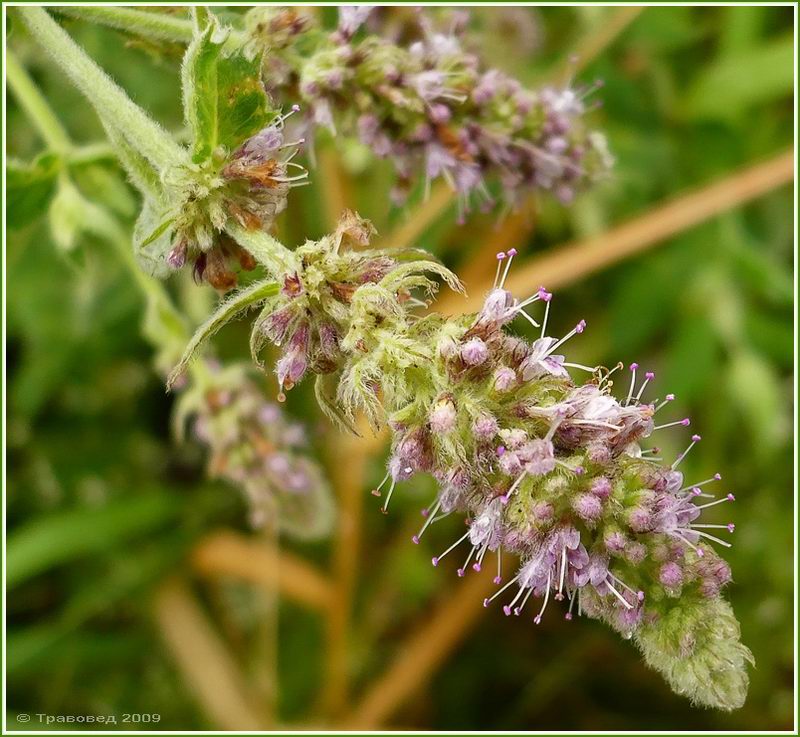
207	668
424	651
347	464
571	262
420	218
599	39
337	189
227	553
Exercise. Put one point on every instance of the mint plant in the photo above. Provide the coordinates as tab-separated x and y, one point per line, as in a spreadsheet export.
542	456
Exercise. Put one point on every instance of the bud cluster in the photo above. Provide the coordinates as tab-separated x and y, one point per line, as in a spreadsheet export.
255	447
344	312
248	186
431	106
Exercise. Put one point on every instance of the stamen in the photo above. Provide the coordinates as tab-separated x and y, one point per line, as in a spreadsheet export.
500	257
529	318
540	294
647	377
560	594
568	615
497	593
669	398
547	297
638	594
504	499
377	490
519	609
633	368
435	560
685	422
430	516
729	498
711	537
579	328
385	507
461	571
498	579
476	566
730	527
618	595
694	547
538	618
695	439
509	607
581	366
555	424
596	423
715	477
511	253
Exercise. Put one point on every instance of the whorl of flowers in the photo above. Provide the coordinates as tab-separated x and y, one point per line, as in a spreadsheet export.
556	473
249	186
548	469
256	448
432	107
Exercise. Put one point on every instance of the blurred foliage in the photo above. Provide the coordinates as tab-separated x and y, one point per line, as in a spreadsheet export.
102	504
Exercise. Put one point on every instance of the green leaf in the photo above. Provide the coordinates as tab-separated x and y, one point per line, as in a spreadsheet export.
151	241
72	216
735	83
230	307
243	105
199	80
60	538
159	231
69	215
29	188
325	393
224	99
125	578
695	645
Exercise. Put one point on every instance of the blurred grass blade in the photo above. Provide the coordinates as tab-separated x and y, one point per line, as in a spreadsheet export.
735	83
60	538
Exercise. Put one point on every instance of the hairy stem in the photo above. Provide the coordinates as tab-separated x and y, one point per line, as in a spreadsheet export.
109	100
142	23
265	248
31	100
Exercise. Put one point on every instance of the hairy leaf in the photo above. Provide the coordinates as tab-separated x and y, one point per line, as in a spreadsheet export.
324	391
243	105
224	99
199	80
230	307
151	245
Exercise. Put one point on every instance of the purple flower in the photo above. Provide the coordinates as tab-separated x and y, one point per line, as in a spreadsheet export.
542	458
474	352
588	507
